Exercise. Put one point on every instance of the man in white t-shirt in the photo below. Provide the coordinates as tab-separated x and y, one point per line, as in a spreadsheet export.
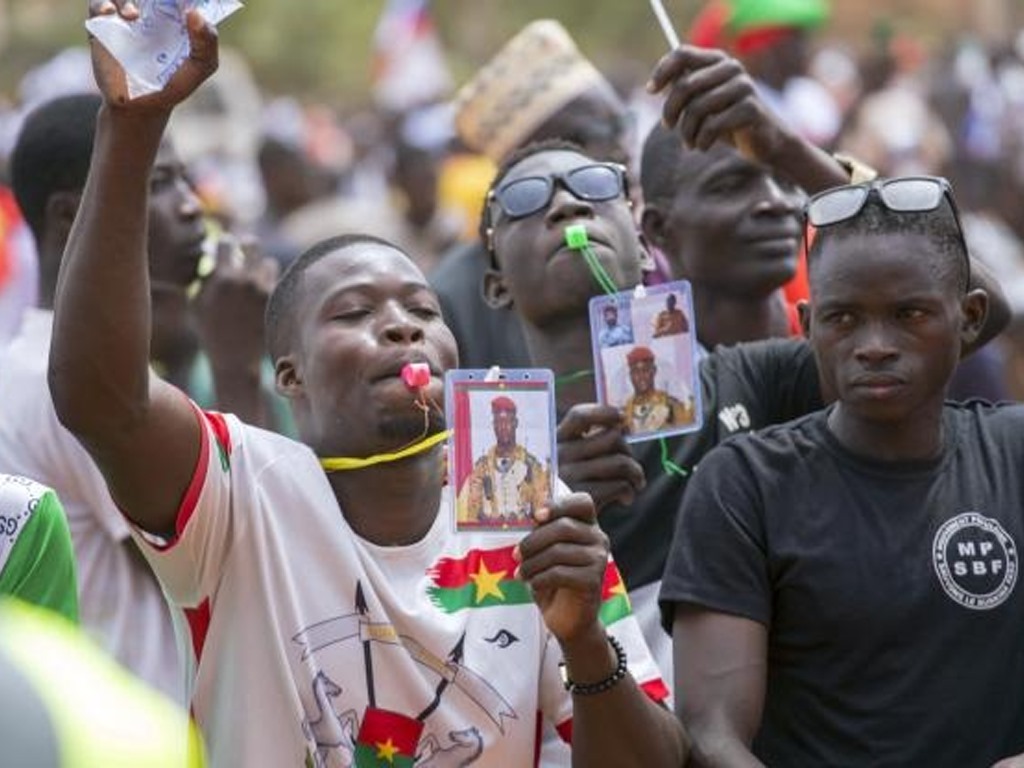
121	603
346	622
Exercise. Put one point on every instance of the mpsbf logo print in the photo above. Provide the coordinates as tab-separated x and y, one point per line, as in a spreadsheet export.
976	561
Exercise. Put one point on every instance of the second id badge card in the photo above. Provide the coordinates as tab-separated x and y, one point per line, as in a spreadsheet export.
645	359
502	460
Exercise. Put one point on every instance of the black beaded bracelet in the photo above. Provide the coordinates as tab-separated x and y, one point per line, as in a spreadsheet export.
589	689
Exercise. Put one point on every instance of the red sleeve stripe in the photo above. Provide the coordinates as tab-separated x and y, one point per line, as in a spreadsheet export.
198	624
538	738
565	731
655	689
219	425
195	487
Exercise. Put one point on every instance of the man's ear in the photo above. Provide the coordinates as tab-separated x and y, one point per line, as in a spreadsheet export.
61	208
974	306
496	293
803	309
652	225
287	380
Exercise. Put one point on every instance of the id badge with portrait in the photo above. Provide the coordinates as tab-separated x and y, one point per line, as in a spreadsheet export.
502	460
645	359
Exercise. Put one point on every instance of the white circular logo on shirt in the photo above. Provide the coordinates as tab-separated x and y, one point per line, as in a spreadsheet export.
976	561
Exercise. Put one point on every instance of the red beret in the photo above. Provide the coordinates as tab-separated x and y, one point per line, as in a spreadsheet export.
639	354
503	403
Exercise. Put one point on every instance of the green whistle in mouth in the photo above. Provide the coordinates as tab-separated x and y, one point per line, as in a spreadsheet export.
576	237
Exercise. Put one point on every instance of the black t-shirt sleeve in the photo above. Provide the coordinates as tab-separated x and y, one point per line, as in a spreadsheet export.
718	555
788	376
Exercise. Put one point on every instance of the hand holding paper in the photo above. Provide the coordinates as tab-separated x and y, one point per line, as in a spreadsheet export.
151	42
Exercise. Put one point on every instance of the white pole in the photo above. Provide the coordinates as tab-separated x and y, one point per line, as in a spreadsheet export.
666	24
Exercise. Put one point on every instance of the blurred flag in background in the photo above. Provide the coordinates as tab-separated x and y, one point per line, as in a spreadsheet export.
409	68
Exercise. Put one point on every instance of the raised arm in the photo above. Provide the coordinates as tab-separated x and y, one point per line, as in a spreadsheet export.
564	561
141	432
710	97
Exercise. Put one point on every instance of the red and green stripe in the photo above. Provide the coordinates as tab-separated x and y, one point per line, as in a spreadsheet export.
614	600
472	580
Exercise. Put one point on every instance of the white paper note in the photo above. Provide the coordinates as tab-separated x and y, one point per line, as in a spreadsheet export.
151	48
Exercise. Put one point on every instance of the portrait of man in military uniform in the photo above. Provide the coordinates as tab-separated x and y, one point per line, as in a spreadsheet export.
650	409
508	483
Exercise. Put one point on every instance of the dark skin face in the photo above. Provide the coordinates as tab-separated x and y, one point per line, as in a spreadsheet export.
364	312
175	242
731	228
176	231
641	374
887	323
538	272
505	425
417	176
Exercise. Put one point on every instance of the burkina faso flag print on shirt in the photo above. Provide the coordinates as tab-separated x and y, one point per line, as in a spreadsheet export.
387	740
479	579
483	577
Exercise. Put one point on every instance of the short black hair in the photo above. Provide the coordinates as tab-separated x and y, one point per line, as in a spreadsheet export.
280	314
660	162
940	227
510	162
52	154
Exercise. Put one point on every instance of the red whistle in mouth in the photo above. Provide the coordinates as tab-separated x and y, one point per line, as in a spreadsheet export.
416	375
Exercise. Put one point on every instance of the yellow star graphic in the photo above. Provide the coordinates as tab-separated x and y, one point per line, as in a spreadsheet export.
386	751
620	589
487	582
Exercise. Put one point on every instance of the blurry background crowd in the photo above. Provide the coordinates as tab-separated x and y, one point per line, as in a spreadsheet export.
331	116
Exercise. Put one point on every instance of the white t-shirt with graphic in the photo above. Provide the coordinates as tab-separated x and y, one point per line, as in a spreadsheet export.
320	645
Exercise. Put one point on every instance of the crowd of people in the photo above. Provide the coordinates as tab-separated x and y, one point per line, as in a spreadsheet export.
224	455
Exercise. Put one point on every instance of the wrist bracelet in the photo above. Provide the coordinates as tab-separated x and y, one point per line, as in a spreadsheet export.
589	689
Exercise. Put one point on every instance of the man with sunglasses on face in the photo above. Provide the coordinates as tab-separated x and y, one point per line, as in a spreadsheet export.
538	86
842	589
547	187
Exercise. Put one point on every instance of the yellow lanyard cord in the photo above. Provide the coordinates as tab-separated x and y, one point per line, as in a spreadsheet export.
342	463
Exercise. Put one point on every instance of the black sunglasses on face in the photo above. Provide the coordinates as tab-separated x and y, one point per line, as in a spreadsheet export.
905	194
594	183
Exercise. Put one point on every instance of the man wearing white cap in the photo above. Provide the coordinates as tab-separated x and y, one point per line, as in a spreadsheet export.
539	86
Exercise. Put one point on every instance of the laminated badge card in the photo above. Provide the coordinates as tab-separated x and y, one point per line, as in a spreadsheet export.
502	460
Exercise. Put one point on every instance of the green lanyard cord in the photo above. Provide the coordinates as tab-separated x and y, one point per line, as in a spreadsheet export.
604	280
598	271
670	467
569	378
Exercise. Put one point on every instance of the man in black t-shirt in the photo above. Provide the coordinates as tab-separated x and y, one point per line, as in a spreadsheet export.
549	286
843	590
